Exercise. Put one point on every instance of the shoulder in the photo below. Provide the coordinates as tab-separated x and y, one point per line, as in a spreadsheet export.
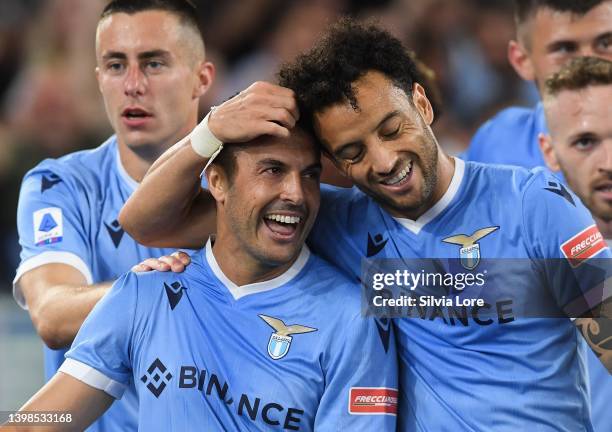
79	168
509	119
329	285
341	196
168	285
499	178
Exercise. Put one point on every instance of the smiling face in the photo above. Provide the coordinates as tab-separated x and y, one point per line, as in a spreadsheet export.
551	38
581	147
151	73
385	145
266	208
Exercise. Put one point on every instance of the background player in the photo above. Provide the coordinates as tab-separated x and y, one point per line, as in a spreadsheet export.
151	71
548	34
276	342
357	87
579	114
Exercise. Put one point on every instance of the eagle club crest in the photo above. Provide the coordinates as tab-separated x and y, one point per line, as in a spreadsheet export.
470	249
280	340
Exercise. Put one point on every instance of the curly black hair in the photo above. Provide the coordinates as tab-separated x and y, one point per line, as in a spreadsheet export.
324	76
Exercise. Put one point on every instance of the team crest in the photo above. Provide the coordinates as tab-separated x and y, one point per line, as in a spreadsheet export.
280	340
470	249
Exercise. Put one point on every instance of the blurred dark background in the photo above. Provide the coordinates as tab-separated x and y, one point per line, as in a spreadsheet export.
50	105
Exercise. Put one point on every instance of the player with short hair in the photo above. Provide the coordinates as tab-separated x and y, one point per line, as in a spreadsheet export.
257	333
475	369
151	71
549	33
576	101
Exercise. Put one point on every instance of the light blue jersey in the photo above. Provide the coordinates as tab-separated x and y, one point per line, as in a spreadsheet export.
499	371
511	137
67	214
291	353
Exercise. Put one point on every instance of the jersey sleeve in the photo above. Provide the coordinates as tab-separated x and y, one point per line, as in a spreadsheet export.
362	379
101	352
51	226
565	241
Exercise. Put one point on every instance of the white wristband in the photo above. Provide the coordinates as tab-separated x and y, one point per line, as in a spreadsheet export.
203	141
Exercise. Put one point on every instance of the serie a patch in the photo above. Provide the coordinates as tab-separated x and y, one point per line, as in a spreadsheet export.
372	400
48	226
584	245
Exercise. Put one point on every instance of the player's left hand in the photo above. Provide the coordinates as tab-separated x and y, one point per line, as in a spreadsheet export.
177	262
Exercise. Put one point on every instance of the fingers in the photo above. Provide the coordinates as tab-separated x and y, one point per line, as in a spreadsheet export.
151	264
261	109
177	262
183	257
174	264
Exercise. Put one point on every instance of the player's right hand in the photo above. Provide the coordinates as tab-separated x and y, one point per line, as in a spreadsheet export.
262	109
177	262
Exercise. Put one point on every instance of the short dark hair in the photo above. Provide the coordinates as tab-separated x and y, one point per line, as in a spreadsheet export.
525	9
579	74
324	76
185	10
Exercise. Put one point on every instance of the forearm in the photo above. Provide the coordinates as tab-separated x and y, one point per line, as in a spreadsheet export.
598	333
163	202
61	310
64	395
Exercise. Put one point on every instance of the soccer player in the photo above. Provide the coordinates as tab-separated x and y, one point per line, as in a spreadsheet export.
579	114
257	333
151	71
549	33
500	371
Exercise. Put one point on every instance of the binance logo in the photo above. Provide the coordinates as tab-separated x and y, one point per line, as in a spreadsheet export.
157	377
470	249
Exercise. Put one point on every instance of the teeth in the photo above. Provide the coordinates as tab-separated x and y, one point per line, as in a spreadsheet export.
284	219
401	176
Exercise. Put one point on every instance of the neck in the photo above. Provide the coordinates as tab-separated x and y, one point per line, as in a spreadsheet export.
445	172
251	270
605	227
138	159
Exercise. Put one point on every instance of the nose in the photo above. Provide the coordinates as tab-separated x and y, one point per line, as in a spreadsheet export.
382	159
135	82
293	189
605	157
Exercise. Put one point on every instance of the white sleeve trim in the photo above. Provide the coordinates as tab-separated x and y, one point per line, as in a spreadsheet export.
51	257
92	377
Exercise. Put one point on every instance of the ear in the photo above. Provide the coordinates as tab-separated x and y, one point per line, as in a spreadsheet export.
519	58
217	183
206	76
422	104
548	152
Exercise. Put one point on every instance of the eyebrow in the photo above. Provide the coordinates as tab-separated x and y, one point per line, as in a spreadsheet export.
380	123
276	162
141	56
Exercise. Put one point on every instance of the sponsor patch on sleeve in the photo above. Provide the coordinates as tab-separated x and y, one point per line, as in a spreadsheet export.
372	400
583	246
48	226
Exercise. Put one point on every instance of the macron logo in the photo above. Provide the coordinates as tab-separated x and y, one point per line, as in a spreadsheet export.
375	245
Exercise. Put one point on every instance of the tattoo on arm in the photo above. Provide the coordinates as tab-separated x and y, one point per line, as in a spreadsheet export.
598	332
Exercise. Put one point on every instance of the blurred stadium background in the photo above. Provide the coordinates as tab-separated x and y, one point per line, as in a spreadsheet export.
50	105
